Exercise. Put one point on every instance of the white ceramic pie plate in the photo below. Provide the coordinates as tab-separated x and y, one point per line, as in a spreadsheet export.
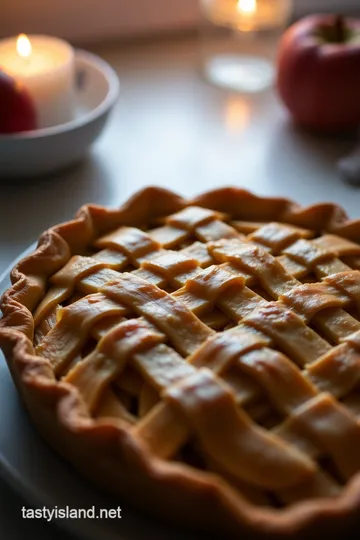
42	478
45	151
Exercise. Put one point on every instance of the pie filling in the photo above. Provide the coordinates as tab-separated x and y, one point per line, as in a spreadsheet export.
229	346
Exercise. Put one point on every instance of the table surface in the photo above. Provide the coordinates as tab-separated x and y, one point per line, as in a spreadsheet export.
170	128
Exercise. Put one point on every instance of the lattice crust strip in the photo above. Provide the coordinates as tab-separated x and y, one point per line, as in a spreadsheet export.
235	337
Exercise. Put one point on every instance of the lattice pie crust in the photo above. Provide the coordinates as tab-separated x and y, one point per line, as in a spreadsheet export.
200	358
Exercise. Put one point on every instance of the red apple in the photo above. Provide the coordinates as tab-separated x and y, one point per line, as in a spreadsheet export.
17	111
318	75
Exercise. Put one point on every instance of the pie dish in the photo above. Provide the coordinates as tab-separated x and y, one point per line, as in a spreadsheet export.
199	358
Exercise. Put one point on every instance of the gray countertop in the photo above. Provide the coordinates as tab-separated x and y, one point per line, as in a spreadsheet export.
172	129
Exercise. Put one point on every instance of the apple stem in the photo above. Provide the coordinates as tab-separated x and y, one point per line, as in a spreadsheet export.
340	30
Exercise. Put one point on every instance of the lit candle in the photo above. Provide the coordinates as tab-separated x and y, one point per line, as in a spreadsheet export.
239	41
45	66
248	15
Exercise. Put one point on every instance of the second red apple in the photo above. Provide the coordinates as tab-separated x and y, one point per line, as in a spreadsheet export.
319	72
17	110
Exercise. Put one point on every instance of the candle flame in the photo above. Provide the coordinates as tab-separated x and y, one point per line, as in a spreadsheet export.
247	7
23	46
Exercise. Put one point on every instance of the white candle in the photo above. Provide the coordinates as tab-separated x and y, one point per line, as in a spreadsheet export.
45	66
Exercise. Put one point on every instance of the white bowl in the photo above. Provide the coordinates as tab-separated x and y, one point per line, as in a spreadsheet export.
45	151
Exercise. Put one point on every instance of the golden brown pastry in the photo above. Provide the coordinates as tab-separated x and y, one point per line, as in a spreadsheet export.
201	359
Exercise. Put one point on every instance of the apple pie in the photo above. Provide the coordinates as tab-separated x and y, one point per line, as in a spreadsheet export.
200	359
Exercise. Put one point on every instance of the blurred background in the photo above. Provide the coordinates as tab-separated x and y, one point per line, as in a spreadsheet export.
94	20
